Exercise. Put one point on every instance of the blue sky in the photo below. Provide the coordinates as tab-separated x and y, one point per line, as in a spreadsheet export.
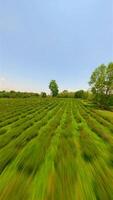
63	40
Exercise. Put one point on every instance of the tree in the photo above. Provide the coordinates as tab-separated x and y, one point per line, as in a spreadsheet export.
54	88
82	94
43	94
64	94
101	83
79	94
109	79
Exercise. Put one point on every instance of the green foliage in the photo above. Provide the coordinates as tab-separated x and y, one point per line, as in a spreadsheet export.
101	83
66	94
43	94
55	149
54	88
88	146
2	131
14	94
80	94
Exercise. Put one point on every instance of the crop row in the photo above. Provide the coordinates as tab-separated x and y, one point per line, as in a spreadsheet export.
57	149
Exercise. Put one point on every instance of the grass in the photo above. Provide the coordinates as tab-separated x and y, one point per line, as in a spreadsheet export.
55	149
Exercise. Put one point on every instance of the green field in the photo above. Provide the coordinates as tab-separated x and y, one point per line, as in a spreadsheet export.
55	149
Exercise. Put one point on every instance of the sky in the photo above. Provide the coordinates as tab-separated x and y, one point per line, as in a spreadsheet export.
65	40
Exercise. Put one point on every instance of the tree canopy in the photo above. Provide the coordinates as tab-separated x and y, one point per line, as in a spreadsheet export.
101	83
54	88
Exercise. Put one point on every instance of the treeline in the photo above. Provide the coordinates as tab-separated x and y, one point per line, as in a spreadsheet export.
80	94
14	94
53	86
101	89
64	94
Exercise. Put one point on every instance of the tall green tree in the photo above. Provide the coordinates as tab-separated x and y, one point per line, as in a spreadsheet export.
109	79
101	83
54	88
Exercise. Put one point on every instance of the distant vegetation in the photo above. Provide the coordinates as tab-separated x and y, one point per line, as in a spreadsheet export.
100	93
14	94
